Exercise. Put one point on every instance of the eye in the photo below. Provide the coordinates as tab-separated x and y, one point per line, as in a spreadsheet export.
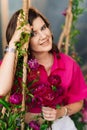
44	27
33	34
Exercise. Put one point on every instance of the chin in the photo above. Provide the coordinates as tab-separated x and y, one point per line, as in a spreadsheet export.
48	49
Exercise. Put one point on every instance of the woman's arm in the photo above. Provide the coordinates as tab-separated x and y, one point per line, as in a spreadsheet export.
74	107
53	114
7	71
8	63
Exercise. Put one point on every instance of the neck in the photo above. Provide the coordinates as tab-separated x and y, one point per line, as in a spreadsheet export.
42	57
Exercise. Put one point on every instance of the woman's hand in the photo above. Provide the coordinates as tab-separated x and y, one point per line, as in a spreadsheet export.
17	34
52	114
19	29
32	116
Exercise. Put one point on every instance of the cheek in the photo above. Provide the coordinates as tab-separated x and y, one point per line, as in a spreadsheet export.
33	43
49	32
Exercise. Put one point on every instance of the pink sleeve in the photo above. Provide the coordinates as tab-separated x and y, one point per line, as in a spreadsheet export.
78	88
0	62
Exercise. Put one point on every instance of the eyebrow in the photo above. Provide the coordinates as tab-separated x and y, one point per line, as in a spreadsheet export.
40	28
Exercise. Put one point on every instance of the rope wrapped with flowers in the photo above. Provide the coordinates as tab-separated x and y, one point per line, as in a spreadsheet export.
65	35
17	98
25	9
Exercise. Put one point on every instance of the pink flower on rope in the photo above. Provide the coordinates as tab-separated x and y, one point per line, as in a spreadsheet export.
84	115
16	98
33	64
84	112
34	125
64	12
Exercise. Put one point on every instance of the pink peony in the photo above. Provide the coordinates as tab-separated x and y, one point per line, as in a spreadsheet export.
43	94
16	98
84	115
32	76
34	125
85	103
54	80
33	64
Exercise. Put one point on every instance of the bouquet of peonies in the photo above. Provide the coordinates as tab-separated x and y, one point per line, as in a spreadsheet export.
42	93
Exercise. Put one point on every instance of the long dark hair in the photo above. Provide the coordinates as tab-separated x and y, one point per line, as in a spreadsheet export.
32	15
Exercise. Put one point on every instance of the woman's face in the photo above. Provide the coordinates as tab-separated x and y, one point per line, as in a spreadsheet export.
41	40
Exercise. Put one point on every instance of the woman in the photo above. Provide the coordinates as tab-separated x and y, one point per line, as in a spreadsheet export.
60	80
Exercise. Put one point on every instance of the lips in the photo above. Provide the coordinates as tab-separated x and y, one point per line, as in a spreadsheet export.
45	42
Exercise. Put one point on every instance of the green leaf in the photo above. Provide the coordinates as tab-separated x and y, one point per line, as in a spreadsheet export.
58	106
13	127
12	119
54	88
43	127
5	103
3	125
79	124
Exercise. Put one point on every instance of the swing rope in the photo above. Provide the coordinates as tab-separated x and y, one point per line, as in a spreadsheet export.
24	78
65	35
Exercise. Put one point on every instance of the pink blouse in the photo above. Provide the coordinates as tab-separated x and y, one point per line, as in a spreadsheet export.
72	80
71	76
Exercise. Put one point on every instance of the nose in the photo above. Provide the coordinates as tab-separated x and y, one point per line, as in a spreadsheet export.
42	35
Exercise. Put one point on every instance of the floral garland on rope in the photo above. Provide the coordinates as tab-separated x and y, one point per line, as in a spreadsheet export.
9	112
65	35
67	46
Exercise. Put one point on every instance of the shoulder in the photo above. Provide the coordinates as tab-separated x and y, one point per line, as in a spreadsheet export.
67	58
69	62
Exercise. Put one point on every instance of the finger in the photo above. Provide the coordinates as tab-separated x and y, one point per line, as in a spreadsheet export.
49	117
49	113
46	108
26	28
